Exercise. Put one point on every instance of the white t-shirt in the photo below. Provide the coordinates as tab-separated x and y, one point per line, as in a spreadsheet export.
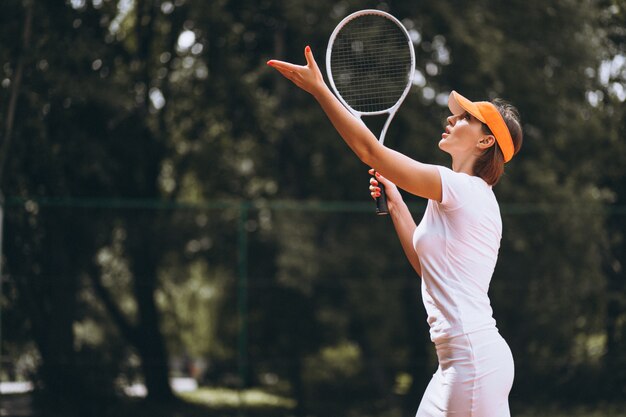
457	242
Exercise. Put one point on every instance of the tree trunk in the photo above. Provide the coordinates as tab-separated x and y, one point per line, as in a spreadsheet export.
55	342
16	84
614	361
49	286
374	364
145	336
149	343
151	346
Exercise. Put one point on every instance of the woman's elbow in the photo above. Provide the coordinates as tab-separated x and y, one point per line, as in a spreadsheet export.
369	154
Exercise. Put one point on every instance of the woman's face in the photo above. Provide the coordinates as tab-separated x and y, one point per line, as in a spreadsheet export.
461	135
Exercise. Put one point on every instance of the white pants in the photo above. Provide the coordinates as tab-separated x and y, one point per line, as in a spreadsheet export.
474	377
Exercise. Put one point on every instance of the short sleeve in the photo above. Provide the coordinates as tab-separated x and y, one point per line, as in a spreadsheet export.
453	186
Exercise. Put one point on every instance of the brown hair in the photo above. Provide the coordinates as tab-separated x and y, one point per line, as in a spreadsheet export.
490	165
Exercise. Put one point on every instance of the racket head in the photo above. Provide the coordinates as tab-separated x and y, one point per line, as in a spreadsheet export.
370	62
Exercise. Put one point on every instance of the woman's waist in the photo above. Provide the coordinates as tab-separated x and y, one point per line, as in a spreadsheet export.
465	340
477	345
448	324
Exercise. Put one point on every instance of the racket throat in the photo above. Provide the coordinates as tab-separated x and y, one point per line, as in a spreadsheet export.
378	123
383	132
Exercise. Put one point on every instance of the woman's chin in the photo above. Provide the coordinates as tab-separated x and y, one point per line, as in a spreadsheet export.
443	145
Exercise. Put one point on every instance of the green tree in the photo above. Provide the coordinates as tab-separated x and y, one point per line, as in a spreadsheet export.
608	113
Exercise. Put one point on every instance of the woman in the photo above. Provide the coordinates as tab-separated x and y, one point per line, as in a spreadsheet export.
454	249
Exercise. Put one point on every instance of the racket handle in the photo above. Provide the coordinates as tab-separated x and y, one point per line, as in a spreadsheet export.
381	202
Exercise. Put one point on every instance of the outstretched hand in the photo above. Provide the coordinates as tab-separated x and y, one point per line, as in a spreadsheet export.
308	77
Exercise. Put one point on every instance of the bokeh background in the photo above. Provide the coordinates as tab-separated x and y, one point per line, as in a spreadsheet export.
185	234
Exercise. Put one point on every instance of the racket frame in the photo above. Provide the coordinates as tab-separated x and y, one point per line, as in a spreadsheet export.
391	110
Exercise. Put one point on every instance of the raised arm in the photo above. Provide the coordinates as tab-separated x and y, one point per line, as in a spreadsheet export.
413	176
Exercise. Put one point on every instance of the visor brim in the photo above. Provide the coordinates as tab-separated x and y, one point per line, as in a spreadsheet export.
458	104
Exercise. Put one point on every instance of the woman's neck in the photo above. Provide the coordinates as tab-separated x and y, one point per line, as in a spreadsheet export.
464	165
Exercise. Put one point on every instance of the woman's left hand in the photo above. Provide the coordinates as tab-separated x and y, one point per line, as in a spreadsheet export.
308	77
391	191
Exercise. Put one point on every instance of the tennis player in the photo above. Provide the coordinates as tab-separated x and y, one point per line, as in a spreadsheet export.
455	247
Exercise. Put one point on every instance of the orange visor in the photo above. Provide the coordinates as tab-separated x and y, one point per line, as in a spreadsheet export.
488	114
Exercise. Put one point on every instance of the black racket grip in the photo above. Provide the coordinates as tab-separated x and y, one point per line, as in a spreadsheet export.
381	202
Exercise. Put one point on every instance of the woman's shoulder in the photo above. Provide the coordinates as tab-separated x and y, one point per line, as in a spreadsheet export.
460	189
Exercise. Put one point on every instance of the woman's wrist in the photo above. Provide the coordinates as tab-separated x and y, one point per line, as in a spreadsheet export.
395	206
320	91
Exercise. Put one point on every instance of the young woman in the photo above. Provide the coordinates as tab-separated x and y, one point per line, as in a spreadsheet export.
455	247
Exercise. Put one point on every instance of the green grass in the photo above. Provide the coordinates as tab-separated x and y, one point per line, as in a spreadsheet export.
223	402
209	402
204	402
228	398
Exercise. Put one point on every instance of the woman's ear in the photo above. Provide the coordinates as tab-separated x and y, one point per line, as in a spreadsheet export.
486	142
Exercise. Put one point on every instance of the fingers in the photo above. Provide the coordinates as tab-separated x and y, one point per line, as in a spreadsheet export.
307	77
374	188
377	175
286	66
378	181
372	171
310	60
282	65
289	71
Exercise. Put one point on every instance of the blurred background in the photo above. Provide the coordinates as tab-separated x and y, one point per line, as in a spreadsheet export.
184	233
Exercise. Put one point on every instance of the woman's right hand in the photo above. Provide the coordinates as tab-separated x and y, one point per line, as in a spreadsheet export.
391	191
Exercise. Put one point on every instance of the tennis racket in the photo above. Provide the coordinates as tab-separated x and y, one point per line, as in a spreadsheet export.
370	63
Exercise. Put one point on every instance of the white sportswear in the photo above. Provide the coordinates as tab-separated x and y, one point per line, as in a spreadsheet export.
457	243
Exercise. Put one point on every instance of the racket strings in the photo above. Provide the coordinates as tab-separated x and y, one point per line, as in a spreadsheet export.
371	63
